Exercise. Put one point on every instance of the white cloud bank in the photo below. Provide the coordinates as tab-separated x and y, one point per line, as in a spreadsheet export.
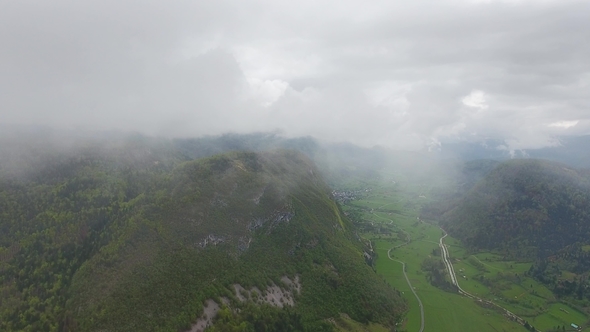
564	124
476	99
401	74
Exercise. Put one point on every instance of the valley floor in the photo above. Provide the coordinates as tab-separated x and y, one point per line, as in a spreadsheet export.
389	218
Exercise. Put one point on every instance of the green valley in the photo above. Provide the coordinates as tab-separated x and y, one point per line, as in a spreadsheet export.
263	233
390	214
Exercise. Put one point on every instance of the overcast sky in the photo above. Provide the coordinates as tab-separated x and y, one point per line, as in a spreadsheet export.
404	74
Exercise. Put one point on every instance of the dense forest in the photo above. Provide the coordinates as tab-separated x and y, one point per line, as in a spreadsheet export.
137	234
537	207
529	210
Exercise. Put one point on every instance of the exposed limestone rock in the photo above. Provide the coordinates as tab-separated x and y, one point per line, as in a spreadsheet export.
206	320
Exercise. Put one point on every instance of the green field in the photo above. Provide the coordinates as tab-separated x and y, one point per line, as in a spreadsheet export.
392	211
512	289
444	311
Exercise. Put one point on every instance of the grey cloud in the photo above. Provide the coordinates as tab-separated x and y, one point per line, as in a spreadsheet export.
389	73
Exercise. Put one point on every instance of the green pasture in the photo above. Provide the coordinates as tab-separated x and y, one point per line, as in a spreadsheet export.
444	311
559	314
512	289
345	324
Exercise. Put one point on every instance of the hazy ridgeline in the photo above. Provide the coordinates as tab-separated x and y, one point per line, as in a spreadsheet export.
135	233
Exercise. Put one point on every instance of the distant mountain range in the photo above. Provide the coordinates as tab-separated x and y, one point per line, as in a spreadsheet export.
572	150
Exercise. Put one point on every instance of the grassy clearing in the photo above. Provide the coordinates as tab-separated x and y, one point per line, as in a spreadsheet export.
346	324
559	314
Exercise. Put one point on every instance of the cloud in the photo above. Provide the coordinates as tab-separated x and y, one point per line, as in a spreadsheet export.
266	92
476	99
400	74
564	124
389	94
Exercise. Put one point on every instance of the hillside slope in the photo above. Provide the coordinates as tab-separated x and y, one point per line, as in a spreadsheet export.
537	207
140	240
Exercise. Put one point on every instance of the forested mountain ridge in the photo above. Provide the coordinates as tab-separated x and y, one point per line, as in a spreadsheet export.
138	237
533	208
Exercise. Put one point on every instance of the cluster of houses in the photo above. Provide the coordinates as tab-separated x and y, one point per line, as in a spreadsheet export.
344	196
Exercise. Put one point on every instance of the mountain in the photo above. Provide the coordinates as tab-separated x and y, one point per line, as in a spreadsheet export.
460	178
530	208
571	150
137	235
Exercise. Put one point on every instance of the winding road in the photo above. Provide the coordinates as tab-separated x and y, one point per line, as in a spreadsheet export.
408	240
411	288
